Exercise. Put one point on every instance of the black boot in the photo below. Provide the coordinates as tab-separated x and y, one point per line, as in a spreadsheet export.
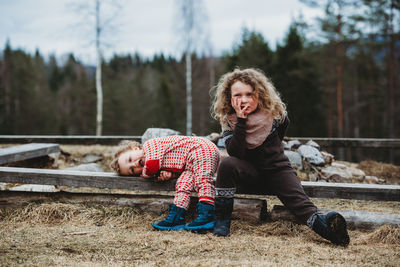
223	213
332	227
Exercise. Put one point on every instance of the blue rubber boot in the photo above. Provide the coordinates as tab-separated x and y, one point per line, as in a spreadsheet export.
223	213
205	218
175	220
332	227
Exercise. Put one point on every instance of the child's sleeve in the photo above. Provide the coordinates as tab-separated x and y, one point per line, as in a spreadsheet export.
283	127
236	144
151	161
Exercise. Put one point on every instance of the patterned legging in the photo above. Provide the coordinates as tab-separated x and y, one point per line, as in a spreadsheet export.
198	176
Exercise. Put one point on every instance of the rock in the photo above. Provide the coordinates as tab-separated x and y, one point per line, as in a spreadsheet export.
295	159
327	157
91	158
221	143
338	165
151	133
336	174
311	154
90	167
213	137
313	144
293	144
373	180
357	174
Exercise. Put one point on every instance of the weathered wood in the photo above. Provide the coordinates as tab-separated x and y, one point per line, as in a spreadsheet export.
66	139
114	140
27	151
81	179
113	181
354	218
352	191
351	142
244	208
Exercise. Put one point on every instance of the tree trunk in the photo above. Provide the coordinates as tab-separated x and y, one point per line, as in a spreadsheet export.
339	84
188	93
391	80
99	90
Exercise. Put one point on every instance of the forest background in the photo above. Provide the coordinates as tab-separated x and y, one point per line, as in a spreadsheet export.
344	83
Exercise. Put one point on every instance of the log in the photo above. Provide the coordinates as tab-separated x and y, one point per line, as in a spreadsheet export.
351	142
27	151
66	139
248	209
113	181
365	220
114	140
352	191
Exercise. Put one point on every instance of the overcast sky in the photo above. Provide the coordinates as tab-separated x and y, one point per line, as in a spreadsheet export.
143	26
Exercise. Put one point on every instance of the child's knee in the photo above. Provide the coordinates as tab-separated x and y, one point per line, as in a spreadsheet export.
228	165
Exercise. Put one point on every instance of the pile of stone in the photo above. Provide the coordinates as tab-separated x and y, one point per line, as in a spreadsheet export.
313	164
309	160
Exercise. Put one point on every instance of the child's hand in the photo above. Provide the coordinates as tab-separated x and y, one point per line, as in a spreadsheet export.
164	176
240	109
145	176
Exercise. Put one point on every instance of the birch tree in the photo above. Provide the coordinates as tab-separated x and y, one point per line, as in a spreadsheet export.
102	23
191	28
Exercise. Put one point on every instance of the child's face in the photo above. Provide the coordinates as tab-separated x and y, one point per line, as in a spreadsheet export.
131	162
243	96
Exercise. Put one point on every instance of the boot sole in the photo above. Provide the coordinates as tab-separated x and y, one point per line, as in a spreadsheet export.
204	227
169	228
338	230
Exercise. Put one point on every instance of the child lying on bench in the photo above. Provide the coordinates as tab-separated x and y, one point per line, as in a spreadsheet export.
194	160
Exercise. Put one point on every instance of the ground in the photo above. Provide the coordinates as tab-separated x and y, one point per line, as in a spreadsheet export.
59	234
77	235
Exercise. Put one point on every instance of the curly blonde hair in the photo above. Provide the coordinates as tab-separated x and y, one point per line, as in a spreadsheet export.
123	146
268	97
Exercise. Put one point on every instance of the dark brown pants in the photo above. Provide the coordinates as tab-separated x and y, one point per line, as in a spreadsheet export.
242	175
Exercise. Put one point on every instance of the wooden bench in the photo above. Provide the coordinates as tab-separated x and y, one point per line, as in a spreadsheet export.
149	200
113	181
28	151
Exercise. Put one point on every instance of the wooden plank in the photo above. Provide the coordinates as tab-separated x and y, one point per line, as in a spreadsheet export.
27	151
351	142
113	181
81	179
114	140
352	191
354	218
248	209
69	139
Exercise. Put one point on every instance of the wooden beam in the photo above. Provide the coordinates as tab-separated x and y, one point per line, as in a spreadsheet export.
27	151
352	191
66	139
354	218
113	181
114	140
248	209
82	179
351	142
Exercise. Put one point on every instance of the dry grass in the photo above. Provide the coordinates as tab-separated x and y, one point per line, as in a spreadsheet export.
78	235
389	172
59	234
72	155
